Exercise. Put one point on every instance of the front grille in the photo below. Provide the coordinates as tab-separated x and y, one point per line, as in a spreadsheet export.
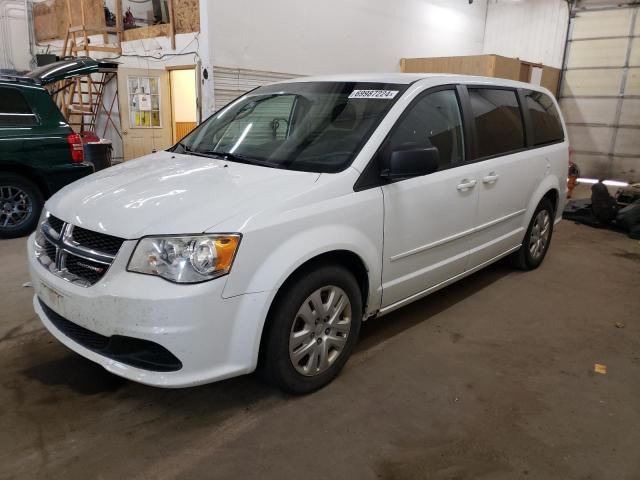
90	271
128	350
55	223
50	250
74	253
97	241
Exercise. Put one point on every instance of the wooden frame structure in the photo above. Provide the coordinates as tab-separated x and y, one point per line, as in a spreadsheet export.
72	46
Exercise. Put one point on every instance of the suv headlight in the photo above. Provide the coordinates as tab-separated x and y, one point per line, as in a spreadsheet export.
185	259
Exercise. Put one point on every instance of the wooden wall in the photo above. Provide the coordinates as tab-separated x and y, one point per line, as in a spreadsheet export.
187	15
50	19
483	65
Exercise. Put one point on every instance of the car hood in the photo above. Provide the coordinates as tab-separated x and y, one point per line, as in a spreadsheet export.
167	193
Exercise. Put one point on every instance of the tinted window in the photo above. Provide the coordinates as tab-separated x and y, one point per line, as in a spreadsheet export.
545	119
14	109
433	121
499	127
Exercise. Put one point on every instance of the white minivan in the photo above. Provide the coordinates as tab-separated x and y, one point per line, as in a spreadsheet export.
268	234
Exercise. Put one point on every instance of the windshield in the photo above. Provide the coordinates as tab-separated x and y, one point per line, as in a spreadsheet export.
310	126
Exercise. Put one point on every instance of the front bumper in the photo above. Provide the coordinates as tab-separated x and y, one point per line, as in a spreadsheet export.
213	338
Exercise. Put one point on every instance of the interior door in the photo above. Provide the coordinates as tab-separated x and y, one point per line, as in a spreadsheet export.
145	110
428	219
507	174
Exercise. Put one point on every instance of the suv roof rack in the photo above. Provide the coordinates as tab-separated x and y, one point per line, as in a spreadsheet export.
7	77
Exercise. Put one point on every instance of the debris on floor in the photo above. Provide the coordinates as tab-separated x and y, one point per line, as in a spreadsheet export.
619	325
604	211
600	368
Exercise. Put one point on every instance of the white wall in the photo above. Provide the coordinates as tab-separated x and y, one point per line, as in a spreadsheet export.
328	36
14	36
533	30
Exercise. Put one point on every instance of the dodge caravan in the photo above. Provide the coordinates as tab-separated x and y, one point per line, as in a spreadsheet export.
265	237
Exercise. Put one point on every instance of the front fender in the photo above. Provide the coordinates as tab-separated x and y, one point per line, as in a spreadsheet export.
268	255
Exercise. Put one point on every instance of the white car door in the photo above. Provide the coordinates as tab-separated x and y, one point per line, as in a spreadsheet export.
428	219
508	172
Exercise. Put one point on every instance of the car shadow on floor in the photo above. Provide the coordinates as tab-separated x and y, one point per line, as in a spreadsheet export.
85	377
377	330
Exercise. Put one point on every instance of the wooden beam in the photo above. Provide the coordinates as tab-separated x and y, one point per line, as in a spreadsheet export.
172	26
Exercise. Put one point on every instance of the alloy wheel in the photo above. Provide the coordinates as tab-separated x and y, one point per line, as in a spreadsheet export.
15	206
539	239
320	330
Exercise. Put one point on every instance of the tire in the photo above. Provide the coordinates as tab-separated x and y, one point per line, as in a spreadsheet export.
289	363
21	202
528	257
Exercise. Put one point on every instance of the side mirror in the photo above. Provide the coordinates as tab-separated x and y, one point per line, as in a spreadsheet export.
413	162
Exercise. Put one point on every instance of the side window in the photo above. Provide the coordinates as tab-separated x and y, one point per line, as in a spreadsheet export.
545	119
14	109
499	127
433	121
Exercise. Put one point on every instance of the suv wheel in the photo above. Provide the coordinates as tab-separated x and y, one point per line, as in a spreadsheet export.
313	328
537	239
20	204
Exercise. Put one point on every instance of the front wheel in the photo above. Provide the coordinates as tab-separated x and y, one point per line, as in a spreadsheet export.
312	329
537	239
20	205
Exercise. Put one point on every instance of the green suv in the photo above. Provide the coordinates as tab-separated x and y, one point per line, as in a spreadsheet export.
39	152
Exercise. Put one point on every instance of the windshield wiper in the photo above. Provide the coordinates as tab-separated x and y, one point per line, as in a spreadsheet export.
233	157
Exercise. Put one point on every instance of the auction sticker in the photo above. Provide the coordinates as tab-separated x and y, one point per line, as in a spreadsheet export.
381	94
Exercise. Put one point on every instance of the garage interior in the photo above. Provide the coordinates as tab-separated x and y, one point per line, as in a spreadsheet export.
502	375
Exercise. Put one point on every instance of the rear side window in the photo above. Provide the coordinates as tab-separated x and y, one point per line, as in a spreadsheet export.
14	109
545	119
498	121
433	121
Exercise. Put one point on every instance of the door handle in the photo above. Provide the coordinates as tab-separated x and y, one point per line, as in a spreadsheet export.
466	185
491	178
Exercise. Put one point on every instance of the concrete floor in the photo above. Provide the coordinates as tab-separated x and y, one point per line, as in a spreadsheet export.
490	378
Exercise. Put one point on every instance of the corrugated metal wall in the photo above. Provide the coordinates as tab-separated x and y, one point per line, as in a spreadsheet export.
600	95
230	83
532	30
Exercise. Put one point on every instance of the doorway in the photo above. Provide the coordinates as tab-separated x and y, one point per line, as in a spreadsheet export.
145	115
184	107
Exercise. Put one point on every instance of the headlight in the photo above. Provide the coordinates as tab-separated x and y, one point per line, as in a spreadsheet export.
185	259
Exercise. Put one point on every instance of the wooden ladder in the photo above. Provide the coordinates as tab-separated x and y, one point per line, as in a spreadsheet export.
72	44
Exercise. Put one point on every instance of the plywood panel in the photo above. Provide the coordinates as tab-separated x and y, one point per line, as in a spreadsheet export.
627	142
506	68
592	82
51	19
187	15
45	22
589	110
590	139
482	65
161	30
630	114
602	24
550	79
598	53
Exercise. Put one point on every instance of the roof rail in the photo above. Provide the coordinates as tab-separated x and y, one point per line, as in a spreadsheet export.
5	77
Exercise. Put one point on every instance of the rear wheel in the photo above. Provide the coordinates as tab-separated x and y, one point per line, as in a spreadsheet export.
537	239
312	330
20	205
